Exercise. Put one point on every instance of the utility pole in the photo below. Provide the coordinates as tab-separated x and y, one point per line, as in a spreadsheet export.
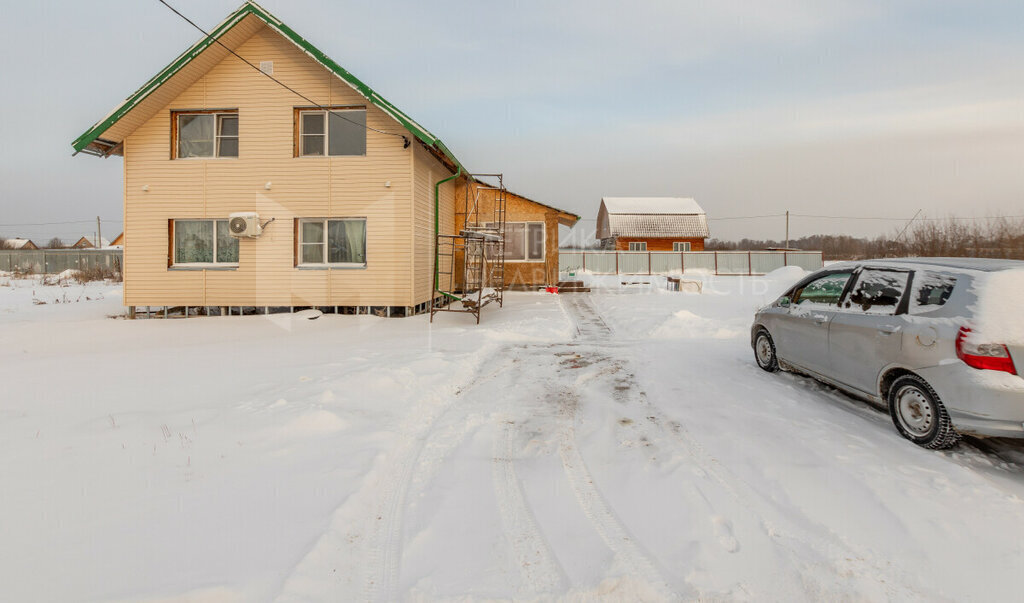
787	229
99	233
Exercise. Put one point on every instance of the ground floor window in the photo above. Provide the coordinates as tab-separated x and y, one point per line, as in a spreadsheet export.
524	241
331	242
638	246
681	246
201	242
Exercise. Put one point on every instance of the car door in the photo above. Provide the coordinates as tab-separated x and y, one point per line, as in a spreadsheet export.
866	334
801	331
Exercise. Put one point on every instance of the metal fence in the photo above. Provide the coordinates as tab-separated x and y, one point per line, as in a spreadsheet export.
672	262
54	261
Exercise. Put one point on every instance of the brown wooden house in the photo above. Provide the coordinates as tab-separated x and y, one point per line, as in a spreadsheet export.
651	224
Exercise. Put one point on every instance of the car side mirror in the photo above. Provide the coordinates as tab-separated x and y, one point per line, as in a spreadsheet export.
784	301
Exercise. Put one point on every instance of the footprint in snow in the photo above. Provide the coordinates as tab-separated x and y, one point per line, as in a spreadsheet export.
723	531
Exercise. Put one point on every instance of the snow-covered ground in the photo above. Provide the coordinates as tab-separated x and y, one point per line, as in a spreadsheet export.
620	444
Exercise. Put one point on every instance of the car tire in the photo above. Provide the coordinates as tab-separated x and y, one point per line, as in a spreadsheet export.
764	352
918	414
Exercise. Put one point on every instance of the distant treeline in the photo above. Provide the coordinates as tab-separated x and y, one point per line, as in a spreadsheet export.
948	237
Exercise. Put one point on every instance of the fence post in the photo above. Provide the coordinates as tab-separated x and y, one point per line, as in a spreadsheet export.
750	265
716	263
649	264
785	258
584	254
616	262
682	262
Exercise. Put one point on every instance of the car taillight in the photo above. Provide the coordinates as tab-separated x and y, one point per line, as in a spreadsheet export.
987	356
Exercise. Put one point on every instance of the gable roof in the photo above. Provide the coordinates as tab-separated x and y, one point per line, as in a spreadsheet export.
92	142
565	218
651	205
651	217
19	244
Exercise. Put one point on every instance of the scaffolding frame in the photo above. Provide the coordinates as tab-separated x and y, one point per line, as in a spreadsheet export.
476	253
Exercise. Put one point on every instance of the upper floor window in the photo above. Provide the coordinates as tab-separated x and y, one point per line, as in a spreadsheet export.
335	132
681	246
200	134
638	246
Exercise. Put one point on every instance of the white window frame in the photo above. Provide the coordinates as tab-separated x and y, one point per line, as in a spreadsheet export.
217	136
327	130
681	246
174	246
638	245
323	244
526	243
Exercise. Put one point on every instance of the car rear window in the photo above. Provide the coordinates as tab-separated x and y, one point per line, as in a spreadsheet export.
879	291
930	291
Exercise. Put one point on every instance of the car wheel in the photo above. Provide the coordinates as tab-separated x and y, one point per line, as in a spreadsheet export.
919	415
764	352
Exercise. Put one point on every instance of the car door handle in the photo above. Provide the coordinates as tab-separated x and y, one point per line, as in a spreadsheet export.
888	330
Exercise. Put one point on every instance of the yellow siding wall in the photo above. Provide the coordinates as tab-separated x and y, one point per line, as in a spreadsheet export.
427	171
300	187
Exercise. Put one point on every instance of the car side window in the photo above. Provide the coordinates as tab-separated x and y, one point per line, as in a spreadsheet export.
930	291
825	290
878	291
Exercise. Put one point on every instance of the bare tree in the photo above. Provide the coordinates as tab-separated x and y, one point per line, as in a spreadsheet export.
55	243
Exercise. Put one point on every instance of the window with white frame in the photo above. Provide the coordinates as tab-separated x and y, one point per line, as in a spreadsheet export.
208	134
332	242
335	132
638	246
681	246
203	242
524	241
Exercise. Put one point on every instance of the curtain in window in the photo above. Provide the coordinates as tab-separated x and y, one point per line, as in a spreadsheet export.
227	245
195	136
346	241
193	241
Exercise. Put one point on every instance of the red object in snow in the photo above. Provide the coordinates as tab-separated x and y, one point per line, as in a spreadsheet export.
551	289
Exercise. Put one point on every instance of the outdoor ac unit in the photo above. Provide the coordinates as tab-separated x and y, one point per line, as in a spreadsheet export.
245	224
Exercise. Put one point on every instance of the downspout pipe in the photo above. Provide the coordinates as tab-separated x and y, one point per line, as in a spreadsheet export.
437	229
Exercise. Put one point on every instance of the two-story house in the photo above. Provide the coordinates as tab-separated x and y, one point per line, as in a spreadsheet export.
348	191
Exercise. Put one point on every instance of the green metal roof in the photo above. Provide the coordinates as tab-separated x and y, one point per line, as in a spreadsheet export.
251	8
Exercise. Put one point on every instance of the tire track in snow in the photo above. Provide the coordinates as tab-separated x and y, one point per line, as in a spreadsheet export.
541	572
628	552
851	559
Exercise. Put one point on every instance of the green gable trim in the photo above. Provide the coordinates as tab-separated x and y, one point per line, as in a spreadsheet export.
251	8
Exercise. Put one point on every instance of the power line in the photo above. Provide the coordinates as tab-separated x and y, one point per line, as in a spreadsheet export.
905	219
279	82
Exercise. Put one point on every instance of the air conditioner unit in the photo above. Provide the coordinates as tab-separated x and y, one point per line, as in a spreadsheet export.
245	224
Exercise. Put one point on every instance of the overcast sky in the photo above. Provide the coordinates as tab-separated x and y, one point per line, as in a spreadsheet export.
854	108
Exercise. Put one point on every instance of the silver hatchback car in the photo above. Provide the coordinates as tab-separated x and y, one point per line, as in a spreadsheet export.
898	333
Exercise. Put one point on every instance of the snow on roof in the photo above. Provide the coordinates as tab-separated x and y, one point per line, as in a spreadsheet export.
16	243
651	205
651	217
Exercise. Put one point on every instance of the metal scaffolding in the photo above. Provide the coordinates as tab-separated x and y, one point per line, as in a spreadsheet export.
469	267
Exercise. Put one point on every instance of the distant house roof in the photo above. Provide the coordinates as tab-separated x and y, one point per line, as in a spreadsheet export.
87	242
653	217
20	244
118	240
105	137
